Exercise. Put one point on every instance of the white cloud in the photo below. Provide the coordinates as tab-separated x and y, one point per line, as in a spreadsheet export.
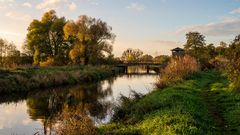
72	6
49	4
93	2
27	4
18	16
136	7
235	11
226	27
7	1
166	43
5	4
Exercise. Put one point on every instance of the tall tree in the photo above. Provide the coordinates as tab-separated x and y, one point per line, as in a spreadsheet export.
92	39
132	55
195	41
45	37
195	45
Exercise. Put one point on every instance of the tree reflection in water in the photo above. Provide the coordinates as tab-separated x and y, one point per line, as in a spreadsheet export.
76	109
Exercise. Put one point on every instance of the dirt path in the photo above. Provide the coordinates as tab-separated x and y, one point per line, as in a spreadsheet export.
214	111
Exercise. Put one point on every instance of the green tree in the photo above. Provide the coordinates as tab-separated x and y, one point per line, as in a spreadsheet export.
47	37
195	45
222	49
132	55
210	51
233	68
91	38
146	58
161	59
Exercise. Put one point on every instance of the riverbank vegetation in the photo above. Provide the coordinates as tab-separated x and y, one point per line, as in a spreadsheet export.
17	80
201	104
197	93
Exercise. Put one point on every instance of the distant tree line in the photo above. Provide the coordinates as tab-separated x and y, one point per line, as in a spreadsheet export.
137	56
10	56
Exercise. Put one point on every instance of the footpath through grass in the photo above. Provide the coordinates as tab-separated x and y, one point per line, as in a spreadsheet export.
201	105
24	80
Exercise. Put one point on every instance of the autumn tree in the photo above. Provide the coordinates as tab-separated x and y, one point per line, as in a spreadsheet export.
45	38
146	58
132	55
91	38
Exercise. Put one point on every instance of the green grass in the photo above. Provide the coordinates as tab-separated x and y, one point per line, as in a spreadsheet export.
178	109
229	102
28	79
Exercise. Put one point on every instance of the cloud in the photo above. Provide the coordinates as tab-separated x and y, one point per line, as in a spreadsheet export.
235	11
226	27
56	4
49	4
5	4
72	6
166	43
136	7
26	4
7	1
93	2
18	16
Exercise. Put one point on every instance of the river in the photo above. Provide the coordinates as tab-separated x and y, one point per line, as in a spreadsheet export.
39	112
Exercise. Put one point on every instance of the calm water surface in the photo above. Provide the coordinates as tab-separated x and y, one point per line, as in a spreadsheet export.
39	112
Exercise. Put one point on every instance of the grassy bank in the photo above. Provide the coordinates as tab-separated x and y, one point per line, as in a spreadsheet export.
180	109
19	80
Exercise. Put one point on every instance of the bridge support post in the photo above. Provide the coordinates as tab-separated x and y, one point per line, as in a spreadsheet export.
148	68
126	69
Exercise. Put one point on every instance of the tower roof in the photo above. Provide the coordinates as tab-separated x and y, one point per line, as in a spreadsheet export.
177	49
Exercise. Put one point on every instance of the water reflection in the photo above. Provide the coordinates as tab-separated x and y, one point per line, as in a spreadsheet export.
59	110
139	70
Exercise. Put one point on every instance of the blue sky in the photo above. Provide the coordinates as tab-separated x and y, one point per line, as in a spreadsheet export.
154	26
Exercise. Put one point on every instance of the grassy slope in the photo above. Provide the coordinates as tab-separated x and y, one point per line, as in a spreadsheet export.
229	104
179	109
19	80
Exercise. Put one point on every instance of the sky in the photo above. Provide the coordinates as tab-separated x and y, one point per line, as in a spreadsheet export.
153	26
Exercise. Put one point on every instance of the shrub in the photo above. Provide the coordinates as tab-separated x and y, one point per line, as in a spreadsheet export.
176	70
233	71
219	62
48	62
73	121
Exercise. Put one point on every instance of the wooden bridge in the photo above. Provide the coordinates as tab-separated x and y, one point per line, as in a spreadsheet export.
149	66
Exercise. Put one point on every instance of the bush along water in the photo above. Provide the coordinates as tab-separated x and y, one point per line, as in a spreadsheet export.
177	70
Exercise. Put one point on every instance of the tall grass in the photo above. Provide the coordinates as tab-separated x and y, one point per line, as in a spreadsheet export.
73	121
177	70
